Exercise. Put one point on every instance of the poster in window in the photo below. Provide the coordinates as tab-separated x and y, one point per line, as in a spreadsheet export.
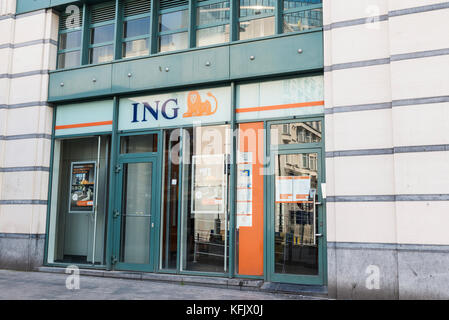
209	183
82	187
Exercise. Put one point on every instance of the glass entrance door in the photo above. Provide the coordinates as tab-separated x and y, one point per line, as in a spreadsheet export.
296	215
137	216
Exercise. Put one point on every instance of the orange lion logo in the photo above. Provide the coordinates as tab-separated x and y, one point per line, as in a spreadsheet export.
198	108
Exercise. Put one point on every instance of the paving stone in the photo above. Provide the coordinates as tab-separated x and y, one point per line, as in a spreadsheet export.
17	285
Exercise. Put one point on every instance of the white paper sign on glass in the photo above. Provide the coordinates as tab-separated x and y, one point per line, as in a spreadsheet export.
209	184
284	189
301	188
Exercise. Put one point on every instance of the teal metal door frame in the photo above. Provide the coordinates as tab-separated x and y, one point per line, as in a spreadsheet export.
123	159
269	256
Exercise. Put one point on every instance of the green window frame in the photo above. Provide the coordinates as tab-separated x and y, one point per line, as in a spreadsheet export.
222	24
173	10
102	18
70	39
136	12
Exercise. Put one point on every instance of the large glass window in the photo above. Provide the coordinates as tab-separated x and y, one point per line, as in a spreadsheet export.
136	213
173	26
78	212
212	21
102	33
136	28
256	18
295	217
205	215
69	46
301	15
169	220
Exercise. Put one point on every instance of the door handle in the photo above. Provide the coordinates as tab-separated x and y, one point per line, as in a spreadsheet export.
318	235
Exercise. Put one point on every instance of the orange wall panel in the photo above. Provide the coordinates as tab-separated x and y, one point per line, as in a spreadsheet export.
250	251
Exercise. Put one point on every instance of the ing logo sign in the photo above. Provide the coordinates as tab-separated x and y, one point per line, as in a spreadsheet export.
197	108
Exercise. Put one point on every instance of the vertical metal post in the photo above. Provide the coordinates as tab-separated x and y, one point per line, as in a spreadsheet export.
232	188
50	186
118	30
279	8
85	36
154	27
96	199
192	23
112	184
233	20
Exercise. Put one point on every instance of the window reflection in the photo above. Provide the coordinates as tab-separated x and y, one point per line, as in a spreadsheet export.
213	13
295	133
135	48
69	59
169	23
256	18
173	20
214	35
70	40
136	27
213	24
257	28
304	20
205	176
102	34
172	42
290	4
295	221
256	7
101	54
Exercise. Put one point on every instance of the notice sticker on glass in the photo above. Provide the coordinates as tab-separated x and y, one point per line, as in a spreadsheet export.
244	157
284	189
245	194
245	176
301	188
244	221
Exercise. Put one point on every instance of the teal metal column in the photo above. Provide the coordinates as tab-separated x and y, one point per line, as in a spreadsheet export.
154	27
234	20
192	23
118	29
279	7
85	36
112	184
50	181
232	183
267	198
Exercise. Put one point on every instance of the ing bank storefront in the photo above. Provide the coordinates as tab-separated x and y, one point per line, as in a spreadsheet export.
219	181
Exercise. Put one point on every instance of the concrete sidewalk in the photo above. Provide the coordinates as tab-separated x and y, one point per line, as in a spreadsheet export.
16	285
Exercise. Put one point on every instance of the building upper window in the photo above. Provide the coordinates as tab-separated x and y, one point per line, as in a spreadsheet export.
301	15
136	28
256	18
69	48
212	22
101	33
173	25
